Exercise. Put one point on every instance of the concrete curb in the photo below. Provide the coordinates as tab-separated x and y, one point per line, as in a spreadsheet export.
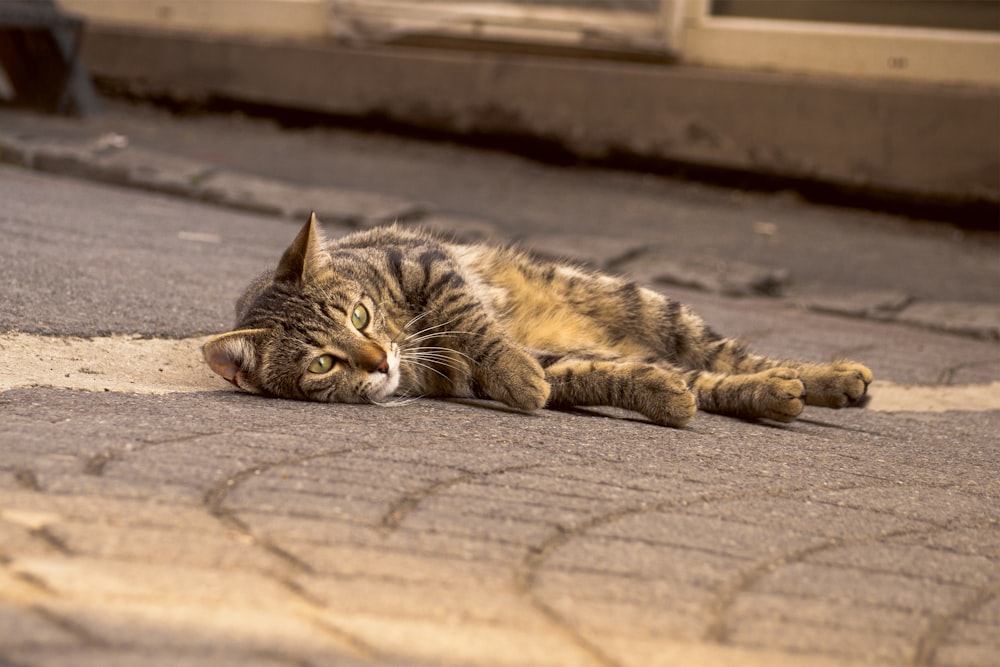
976	320
109	158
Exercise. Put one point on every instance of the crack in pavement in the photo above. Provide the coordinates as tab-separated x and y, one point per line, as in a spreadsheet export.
948	374
67	625
940	626
527	571
54	542
96	464
213	500
717	630
399	509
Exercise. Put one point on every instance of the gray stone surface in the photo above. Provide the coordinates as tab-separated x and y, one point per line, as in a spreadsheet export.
710	273
461	227
121	261
975	319
601	252
879	304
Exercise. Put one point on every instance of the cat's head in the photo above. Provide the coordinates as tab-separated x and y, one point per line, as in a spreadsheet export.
307	331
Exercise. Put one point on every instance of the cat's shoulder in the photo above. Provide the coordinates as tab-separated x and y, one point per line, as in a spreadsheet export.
422	245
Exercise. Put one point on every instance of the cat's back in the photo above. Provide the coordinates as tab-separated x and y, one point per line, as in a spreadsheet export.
394	245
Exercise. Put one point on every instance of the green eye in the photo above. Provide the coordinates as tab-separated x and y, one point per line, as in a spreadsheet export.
359	318
321	364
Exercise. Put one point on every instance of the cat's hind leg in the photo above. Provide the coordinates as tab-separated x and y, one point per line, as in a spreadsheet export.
774	393
686	342
837	385
830	385
658	393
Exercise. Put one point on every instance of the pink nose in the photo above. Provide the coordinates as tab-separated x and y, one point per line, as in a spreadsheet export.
371	359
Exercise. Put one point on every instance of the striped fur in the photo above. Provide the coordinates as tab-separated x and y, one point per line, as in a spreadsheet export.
446	319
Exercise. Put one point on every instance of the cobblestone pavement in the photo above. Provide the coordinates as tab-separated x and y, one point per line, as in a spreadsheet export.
195	529
148	515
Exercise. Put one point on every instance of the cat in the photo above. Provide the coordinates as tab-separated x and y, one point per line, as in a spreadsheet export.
387	314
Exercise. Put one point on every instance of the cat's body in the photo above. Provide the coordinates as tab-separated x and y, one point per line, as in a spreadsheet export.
396	313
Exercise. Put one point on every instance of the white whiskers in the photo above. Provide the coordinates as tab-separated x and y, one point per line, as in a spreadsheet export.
397	401
427	365
430	359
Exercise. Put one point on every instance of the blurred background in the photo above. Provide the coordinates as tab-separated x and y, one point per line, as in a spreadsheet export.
896	100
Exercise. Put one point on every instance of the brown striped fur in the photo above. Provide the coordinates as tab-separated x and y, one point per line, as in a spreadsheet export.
447	319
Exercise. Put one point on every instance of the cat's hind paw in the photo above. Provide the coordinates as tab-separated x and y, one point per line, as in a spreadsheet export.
666	400
837	385
780	394
776	393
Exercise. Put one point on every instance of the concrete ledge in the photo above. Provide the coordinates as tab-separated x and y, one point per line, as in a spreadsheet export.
109	159
927	141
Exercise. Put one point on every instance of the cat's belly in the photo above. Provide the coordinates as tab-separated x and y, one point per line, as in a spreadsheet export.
556	330
550	308
541	318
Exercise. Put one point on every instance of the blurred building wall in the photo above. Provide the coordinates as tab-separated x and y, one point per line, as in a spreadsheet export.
747	85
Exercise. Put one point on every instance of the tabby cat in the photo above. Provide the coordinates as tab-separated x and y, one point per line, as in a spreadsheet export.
390	313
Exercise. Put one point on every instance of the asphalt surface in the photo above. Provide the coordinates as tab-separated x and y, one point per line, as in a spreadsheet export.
149	515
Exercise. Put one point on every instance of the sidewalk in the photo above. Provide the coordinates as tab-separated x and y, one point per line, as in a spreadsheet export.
150	515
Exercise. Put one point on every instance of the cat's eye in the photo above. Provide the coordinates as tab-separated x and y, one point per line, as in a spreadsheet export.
359	318
321	364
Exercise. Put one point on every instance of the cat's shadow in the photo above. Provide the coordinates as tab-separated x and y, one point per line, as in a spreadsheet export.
606	412
484	404
620	414
624	415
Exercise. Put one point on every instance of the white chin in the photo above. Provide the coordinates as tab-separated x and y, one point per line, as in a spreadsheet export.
379	391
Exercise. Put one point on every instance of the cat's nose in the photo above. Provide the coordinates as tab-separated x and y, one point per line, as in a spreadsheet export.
371	359
377	364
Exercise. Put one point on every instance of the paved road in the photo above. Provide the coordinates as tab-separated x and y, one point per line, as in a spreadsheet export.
149	515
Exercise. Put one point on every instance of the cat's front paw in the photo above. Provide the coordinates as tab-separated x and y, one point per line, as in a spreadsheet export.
837	385
517	380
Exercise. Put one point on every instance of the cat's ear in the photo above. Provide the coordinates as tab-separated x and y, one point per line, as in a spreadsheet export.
304	259
233	355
